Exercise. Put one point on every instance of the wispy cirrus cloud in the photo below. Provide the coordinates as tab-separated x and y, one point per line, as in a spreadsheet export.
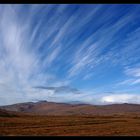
102	38
74	45
83	60
135	72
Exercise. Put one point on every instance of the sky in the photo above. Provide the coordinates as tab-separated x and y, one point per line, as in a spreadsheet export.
86	53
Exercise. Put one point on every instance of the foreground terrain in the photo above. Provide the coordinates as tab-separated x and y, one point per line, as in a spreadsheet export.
60	119
118	125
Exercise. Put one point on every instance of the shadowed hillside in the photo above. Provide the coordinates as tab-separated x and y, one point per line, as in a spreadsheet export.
4	113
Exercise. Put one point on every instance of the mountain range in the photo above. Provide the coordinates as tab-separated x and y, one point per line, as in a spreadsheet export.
53	108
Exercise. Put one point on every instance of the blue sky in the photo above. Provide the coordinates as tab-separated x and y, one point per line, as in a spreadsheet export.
94	48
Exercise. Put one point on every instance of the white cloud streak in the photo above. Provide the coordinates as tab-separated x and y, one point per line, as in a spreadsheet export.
133	72
31	44
121	98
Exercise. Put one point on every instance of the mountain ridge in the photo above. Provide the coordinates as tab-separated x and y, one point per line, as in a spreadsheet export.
53	108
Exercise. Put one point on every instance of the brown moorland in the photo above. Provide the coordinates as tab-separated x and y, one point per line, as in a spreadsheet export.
112	124
127	125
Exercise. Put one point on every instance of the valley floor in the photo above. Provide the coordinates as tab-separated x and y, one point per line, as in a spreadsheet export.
115	125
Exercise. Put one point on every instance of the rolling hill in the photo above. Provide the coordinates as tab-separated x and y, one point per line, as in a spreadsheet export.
53	108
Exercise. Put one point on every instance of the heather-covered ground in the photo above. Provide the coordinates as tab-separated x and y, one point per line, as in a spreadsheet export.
71	125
